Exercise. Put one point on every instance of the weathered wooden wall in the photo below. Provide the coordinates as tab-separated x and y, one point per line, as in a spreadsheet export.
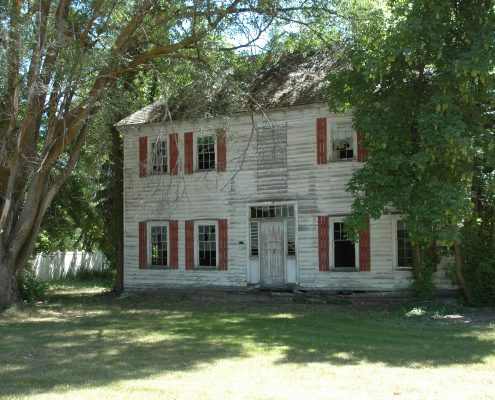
315	190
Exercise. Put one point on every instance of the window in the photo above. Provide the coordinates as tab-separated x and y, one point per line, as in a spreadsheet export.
344	250
271	148
207	246
291	237
283	211
404	248
342	141
206	153
158	245
254	239
159	159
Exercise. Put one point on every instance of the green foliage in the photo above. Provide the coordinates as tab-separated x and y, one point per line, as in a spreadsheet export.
425	287
30	289
420	83
479	260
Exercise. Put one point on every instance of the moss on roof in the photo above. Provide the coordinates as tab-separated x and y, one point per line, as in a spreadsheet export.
285	80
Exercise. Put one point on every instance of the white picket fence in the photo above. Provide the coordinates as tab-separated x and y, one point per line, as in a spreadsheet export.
58	265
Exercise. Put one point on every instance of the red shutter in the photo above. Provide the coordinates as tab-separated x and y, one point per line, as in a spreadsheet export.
223	244
174	155
189	244
221	150
323	245
143	156
364	248
143	254
188	153
321	140
174	244
362	154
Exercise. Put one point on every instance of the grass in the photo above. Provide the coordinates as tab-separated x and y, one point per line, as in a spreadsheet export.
86	343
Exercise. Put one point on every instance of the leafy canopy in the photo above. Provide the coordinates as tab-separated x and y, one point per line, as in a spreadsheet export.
420	80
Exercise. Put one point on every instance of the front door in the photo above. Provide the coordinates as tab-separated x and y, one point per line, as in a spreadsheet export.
272	257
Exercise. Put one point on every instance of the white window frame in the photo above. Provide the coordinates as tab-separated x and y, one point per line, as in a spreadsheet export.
149	225
330	155
197	224
331	221
395	249
150	152
196	136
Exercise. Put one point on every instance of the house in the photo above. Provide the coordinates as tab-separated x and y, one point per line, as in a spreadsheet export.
254	198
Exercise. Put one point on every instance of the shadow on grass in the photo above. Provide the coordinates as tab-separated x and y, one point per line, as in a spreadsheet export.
95	341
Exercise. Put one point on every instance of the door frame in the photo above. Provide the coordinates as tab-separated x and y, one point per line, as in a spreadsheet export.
256	259
283	223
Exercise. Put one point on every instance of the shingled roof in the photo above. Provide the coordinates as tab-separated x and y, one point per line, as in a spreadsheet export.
288	79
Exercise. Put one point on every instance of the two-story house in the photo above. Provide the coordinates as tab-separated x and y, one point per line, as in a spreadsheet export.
255	198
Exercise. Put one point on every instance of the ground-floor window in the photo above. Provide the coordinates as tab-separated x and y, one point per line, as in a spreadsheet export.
344	250
254	250
158	245
404	248
207	246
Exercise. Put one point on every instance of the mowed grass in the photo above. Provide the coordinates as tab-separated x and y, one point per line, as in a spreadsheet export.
87	344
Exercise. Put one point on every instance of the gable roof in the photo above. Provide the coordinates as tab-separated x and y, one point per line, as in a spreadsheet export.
287	79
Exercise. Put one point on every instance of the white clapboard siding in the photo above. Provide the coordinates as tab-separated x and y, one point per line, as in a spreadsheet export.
315	189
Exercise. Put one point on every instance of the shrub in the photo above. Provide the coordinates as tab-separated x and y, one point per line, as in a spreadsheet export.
478	262
85	275
30	288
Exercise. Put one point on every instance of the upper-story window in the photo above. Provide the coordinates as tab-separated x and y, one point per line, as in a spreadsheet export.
159	156
342	139
206	153
404	248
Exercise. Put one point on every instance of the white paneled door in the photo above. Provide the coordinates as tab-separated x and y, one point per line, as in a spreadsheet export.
272	239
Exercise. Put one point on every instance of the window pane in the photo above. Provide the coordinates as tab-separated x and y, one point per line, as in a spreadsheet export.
253	212
345	255
159	245
207	246
404	248
159	155
265	212
343	141
206	153
254	239
291	237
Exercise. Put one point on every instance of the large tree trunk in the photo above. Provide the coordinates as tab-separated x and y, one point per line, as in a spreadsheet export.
40	144
118	201
9	292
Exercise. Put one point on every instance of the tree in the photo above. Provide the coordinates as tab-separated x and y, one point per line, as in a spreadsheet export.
420	81
59	60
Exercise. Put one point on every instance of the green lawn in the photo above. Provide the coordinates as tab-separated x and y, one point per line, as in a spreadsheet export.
85	343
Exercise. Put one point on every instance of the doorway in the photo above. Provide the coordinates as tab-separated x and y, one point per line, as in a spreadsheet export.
272	253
